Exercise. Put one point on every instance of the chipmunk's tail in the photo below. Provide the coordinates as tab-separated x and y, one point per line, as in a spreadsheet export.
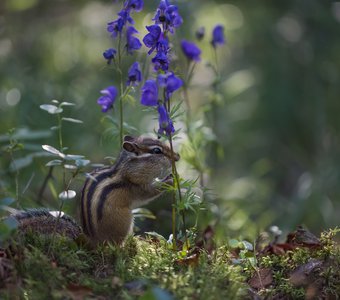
45	221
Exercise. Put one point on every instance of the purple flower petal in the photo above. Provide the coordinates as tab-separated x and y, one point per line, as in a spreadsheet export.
168	16
132	43
218	36
108	98
134	74
136	5
151	39
109	54
161	61
190	50
164	120
173	83
150	93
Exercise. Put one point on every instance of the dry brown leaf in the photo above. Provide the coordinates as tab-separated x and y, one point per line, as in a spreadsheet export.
191	260
78	292
301	275
261	279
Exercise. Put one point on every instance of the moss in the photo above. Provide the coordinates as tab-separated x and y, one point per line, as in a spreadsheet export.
305	272
59	268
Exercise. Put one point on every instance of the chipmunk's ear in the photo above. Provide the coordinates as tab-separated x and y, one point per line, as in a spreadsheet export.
128	138
130	147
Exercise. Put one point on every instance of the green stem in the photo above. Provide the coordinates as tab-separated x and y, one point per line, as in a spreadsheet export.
60	136
66	188
121	119
16	180
216	62
121	114
176	185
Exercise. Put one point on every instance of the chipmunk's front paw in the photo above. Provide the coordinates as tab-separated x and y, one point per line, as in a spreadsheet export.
162	183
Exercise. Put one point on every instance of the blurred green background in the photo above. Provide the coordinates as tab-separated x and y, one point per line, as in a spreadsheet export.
276	114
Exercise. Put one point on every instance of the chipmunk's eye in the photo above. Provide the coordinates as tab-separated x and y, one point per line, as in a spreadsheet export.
156	150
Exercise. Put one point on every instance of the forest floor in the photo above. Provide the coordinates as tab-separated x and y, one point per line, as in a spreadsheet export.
303	267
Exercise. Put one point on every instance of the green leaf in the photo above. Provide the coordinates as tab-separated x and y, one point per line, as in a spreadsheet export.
70	167
52	189
20	163
130	99
25	134
66	104
51	109
11	223
73	157
67	195
6	201
248	246
82	162
156	235
72	120
55	162
94	165
233	243
53	150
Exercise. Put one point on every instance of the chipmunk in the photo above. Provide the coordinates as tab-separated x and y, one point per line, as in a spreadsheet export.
110	193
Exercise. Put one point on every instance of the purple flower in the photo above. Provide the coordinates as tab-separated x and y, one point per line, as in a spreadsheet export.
109	55
132	43
162	79
165	123
173	83
150	93
170	82
161	61
137	5
116	27
168	16
163	44
200	33
151	39
191	51
134	74
218	36
109	96
125	16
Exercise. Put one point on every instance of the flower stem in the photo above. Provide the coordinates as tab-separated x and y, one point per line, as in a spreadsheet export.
121	116
177	185
60	135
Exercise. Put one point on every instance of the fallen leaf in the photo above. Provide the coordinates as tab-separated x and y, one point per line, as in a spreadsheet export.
206	241
261	279
191	260
78	292
303	237
277	249
301	276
